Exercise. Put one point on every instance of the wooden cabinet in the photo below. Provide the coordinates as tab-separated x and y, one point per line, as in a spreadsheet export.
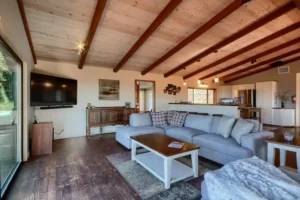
225	91
266	100
105	116
284	117
42	138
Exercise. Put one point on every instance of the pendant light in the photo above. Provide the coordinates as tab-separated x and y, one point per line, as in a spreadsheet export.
216	79
199	82
184	83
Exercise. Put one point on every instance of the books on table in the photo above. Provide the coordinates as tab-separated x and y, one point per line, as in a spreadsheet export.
177	145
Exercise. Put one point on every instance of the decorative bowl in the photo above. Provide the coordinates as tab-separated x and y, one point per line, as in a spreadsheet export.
288	137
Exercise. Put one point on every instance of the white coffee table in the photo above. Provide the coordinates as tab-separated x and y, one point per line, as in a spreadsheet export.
160	160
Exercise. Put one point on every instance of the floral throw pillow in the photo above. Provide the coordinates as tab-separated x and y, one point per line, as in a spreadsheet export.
178	119
159	118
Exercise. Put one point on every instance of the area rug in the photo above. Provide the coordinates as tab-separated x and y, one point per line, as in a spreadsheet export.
151	188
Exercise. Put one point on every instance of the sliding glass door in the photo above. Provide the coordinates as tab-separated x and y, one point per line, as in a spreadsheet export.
10	114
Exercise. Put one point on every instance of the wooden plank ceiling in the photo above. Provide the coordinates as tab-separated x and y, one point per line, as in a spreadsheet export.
57	27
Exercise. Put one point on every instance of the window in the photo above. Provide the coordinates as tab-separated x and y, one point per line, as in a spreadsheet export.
10	114
201	96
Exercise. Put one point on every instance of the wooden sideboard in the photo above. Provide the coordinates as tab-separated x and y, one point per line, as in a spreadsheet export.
106	116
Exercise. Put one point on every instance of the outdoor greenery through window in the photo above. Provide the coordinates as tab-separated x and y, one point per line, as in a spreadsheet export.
201	96
10	116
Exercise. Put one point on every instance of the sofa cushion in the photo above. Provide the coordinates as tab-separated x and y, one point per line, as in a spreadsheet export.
159	119
140	119
223	145
225	126
128	131
200	122
183	133
242	127
215	124
178	119
170	114
256	124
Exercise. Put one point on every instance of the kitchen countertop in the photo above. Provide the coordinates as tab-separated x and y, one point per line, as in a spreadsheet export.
197	104
285	108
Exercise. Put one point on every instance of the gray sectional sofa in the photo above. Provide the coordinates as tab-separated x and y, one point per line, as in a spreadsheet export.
201	130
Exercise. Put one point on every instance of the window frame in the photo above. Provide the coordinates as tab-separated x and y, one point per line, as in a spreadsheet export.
215	95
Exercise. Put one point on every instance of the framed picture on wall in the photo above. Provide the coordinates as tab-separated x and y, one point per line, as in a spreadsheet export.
109	89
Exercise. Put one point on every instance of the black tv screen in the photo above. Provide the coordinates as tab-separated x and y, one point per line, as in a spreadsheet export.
50	90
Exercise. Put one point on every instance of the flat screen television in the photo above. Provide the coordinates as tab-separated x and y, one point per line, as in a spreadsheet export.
50	90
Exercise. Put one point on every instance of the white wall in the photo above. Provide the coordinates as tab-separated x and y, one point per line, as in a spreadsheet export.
149	99
73	120
14	34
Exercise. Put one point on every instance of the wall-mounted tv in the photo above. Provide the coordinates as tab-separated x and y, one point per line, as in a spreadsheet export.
50	90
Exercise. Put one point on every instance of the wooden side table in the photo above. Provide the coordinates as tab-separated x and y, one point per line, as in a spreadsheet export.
42	138
280	143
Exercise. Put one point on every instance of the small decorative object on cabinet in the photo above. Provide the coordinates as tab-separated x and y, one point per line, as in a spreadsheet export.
106	116
127	104
288	137
42	137
89	106
283	97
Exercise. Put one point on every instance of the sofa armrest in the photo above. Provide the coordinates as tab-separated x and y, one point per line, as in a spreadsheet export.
140	119
256	142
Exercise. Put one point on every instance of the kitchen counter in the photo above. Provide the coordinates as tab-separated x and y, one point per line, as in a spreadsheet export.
230	111
285	108
197	104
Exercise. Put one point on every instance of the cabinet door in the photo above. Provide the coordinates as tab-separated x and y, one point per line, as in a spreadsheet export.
94	117
259	95
225	92
288	117
267	116
277	117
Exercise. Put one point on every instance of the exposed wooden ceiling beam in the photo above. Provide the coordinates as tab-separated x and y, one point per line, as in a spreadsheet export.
246	49
262	70
155	24
25	23
213	21
271	60
255	25
247	60
96	19
297	2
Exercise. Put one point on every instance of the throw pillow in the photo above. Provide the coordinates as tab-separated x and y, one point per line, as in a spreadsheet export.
256	125
159	118
225	126
242	127
178	119
170	115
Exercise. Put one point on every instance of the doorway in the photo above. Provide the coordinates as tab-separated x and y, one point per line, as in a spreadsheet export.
144	96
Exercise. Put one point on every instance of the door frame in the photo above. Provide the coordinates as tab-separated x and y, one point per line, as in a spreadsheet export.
136	93
20	62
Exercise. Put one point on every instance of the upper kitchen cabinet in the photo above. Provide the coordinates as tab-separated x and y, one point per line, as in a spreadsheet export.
236	88
225	91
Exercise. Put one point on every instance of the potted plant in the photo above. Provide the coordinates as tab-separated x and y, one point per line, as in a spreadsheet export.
283	97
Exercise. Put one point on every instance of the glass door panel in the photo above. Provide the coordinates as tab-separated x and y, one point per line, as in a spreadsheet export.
10	116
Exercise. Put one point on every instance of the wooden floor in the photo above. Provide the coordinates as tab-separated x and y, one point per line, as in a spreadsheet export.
77	169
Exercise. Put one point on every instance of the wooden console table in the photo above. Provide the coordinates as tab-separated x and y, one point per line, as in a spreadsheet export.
106	116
